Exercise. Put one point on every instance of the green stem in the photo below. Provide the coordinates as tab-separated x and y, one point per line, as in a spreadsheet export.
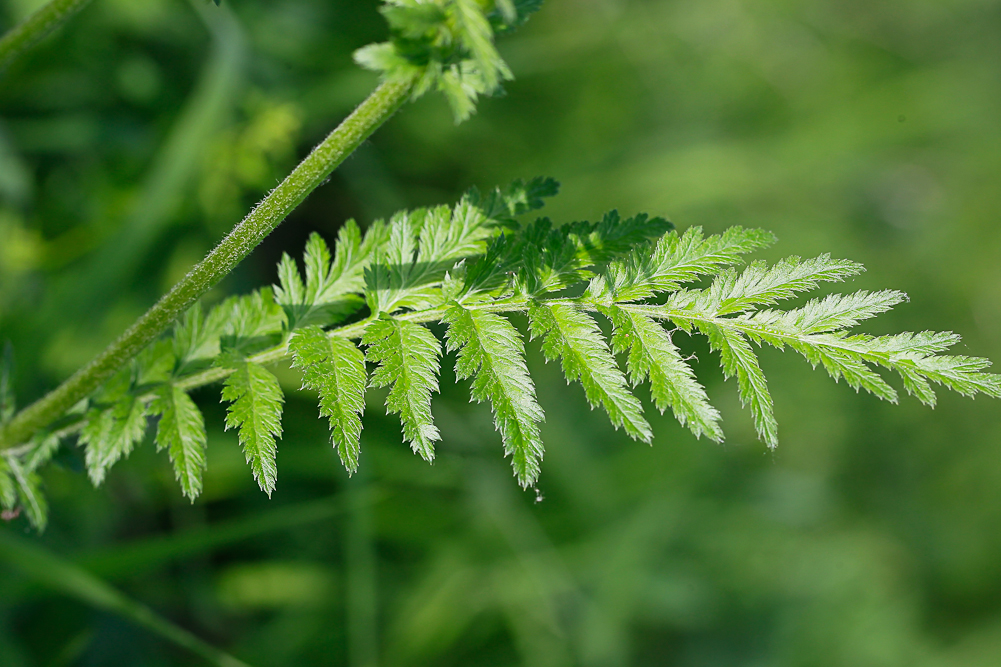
246	236
25	34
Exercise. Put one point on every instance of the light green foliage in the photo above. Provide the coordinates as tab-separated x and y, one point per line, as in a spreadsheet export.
652	355
424	244
181	432
407	357
574	337
256	412
43	448
155	364
446	45
254	322
737	358
491	352
8	486
758	285
115	422
111	433
675	260
465	266
20	487
196	336
551	259
332	286
335	369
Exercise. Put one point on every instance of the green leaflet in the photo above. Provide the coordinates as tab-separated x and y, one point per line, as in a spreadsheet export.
44	447
422	246
8	486
574	337
673	261
250	316
196	336
181	432
407	355
334	368
332	287
446	45
115	422
652	355
739	359
833	312
110	434
256	412
520	197
761	285
155	364
26	485
556	258
491	352
474	29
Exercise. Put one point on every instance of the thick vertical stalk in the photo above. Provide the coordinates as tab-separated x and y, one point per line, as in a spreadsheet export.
246	236
25	34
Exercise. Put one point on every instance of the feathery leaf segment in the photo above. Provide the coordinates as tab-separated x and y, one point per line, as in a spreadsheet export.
448	46
356	318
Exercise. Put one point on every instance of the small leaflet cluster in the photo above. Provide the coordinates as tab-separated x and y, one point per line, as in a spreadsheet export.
448	46
356	318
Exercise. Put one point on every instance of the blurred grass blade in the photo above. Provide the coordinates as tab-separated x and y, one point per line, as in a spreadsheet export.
52	571
144	555
361	584
7	402
169	179
28	32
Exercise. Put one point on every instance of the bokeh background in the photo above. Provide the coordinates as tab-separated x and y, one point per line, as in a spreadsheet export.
136	136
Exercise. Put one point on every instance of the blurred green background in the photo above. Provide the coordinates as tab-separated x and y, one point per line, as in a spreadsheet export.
136	136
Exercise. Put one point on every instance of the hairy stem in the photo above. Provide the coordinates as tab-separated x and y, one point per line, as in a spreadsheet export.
246	236
24	35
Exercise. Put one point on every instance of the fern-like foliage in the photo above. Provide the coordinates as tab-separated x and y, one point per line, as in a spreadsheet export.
448	46
356	317
335	369
406	355
491	352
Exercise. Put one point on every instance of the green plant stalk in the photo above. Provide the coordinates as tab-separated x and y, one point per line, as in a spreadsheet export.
28	32
246	236
69	579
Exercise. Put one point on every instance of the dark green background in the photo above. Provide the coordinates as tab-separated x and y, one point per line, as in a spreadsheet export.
132	139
